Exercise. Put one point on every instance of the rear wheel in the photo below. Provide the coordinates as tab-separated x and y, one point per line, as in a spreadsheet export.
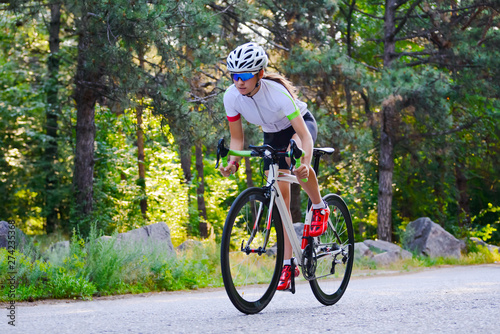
251	257
334	252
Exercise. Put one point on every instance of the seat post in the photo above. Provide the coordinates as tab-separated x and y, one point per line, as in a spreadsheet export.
317	156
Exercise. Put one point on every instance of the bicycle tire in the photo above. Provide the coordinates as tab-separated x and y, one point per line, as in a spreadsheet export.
328	288
251	279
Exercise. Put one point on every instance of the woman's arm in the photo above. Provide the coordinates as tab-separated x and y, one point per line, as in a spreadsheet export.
236	143
306	141
237	137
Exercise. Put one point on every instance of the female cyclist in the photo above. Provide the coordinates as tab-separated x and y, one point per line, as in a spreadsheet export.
269	100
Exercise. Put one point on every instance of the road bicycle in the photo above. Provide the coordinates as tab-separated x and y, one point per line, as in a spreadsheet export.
252	244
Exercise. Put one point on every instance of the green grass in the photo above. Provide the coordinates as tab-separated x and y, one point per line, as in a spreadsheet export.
96	268
475	255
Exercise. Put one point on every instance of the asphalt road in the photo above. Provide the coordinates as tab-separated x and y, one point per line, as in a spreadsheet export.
444	300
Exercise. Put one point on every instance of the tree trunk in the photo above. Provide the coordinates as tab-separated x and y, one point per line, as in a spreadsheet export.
86	95
439	192
248	172
84	151
347	88
200	191
386	169
348	100
140	159
53	111
185	156
386	160
464	216
143	203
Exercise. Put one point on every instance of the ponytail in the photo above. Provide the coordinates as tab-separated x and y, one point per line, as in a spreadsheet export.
282	81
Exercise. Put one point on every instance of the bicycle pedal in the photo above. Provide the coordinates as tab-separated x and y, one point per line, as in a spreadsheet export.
292	285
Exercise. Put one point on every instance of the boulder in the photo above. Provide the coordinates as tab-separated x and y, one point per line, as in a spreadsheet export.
149	236
428	238
57	251
491	248
189	244
104	238
382	246
19	237
299	229
386	258
494	249
387	252
60	247
479	242
271	251
362	250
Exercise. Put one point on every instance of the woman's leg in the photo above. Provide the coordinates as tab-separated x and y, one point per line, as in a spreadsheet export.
311	187
320	212
285	192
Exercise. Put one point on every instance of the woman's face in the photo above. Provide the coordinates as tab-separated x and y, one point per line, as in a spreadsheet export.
246	87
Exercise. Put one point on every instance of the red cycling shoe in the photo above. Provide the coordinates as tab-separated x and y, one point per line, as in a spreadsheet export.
319	222
286	275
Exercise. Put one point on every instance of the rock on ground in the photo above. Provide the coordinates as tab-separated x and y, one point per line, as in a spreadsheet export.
156	236
385	252
491	248
20	239
428	238
362	250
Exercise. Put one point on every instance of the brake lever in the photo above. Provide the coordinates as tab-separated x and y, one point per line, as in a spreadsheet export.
222	152
295	154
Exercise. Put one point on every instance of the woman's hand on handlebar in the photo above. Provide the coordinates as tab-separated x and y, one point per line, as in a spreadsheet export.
228	170
302	172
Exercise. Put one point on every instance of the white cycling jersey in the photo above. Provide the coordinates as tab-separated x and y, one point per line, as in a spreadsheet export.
272	107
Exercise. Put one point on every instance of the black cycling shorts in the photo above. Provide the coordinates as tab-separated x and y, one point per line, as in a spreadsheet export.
280	140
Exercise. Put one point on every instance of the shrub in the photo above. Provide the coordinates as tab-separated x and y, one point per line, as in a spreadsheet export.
63	285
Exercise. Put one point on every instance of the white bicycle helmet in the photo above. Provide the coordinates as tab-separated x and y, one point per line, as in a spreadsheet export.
248	57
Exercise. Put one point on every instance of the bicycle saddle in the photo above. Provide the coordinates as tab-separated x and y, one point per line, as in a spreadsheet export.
323	150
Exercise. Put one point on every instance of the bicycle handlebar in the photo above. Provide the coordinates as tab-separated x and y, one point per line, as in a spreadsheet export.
295	153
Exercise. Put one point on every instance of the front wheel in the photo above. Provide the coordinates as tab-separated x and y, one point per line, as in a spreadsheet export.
251	253
334	253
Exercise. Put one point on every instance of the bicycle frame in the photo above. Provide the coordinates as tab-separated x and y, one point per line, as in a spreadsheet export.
277	198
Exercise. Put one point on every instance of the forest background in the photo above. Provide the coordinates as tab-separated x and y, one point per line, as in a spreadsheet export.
110	110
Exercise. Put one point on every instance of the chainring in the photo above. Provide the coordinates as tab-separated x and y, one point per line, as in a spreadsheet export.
309	262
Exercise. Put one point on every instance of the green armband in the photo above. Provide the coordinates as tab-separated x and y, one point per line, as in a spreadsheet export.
293	115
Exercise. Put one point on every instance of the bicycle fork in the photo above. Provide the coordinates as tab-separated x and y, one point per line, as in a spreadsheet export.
255	229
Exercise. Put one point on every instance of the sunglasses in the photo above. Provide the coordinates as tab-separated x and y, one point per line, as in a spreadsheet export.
243	76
